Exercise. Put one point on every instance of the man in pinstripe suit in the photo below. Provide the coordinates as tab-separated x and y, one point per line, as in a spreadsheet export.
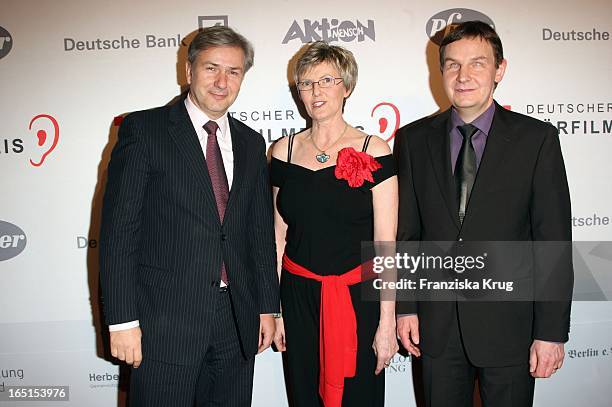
187	252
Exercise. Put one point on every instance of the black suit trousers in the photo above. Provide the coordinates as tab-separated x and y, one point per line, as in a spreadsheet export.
449	378
222	378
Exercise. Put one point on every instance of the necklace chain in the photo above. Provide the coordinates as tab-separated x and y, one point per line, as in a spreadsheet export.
322	157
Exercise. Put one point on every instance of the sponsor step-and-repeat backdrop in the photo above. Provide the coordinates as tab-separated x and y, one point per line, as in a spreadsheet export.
70	70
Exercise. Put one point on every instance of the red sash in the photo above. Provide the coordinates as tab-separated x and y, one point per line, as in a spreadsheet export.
337	330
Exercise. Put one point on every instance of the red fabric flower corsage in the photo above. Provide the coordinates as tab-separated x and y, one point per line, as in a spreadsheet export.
355	166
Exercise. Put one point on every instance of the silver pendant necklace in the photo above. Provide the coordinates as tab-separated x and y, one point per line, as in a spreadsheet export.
323	157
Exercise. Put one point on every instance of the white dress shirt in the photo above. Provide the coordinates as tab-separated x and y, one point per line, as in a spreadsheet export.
224	138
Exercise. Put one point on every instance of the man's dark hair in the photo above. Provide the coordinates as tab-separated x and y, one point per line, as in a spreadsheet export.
473	29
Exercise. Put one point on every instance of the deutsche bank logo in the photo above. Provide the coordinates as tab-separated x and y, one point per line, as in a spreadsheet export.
6	42
211	21
441	23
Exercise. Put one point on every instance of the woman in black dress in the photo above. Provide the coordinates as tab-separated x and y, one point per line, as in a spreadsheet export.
334	187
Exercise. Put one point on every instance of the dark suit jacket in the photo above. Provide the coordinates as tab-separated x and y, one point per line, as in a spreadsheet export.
520	194
162	242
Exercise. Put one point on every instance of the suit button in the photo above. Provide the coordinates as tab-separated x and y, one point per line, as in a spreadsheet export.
223	237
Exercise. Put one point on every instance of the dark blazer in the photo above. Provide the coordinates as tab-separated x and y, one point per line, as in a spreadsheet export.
162	243
520	194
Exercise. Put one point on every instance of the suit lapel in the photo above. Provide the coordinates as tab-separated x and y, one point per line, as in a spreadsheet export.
239	149
439	150
499	143
182	132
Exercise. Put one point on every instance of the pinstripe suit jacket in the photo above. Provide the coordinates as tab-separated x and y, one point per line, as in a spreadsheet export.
162	243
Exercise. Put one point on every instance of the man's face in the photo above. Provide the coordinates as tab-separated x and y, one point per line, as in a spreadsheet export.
469	75
214	79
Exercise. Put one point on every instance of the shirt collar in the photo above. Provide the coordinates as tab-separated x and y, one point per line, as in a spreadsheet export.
199	119
482	122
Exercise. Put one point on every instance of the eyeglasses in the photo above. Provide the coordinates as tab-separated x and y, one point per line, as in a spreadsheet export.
325	82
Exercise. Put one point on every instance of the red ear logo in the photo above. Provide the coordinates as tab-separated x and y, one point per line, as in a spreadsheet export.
383	122
42	137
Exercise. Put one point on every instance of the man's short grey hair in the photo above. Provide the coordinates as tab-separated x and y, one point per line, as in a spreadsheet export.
220	36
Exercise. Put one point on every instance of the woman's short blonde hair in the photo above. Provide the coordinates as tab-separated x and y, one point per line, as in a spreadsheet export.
340	58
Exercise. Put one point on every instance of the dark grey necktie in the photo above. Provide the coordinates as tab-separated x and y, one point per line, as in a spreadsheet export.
465	168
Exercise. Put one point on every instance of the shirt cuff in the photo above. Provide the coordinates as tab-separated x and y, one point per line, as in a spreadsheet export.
123	326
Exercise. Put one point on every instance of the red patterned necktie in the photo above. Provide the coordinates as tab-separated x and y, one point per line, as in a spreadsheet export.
218	177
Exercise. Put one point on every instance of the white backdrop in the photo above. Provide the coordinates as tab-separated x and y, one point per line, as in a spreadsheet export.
59	102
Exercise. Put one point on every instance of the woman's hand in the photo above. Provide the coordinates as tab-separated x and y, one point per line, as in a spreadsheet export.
279	335
385	344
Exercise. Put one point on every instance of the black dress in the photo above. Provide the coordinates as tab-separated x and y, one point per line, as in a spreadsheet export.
327	221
